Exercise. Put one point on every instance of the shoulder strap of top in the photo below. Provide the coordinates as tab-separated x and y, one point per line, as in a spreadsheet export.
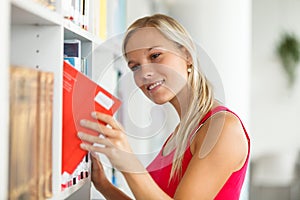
208	115
212	112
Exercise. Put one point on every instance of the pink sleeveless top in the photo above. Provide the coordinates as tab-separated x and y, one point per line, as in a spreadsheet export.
160	168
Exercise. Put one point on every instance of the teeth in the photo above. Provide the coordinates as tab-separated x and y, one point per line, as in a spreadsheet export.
155	85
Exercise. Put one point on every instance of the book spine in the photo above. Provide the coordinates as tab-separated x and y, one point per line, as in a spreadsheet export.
103	20
41	131
48	139
50	4
23	174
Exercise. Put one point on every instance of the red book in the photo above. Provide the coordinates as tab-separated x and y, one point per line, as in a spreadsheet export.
81	96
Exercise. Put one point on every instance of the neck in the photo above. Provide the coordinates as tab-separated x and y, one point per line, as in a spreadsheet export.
181	102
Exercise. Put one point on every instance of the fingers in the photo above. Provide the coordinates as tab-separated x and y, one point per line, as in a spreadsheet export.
98	149
98	176
107	119
94	139
96	165
100	128
94	156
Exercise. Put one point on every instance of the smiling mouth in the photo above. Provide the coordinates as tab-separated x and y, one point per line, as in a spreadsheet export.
154	85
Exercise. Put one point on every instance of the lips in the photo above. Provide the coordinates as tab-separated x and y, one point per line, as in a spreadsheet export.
155	85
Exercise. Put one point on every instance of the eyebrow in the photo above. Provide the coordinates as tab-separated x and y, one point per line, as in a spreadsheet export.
154	47
149	49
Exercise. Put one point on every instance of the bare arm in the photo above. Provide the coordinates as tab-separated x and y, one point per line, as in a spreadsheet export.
219	149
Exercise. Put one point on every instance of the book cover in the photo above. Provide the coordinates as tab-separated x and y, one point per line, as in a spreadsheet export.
72	48
81	96
75	61
72	52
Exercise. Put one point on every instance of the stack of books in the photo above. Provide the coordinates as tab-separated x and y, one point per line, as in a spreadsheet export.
31	102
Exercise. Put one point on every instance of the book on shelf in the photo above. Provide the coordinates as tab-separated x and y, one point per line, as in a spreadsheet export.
49	144
30	132
86	14
102	18
77	11
72	48
72	52
98	18
116	17
45	94
50	4
81	97
84	66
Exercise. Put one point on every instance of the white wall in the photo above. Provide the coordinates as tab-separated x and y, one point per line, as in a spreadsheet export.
137	9
223	29
275	109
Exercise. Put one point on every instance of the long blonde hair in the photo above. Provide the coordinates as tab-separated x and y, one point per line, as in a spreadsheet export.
201	91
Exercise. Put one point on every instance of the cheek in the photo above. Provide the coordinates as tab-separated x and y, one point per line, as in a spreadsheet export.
177	65
176	77
176	70
137	79
176	80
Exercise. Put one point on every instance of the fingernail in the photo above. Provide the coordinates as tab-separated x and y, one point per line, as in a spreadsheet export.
94	114
79	134
82	122
93	154
82	145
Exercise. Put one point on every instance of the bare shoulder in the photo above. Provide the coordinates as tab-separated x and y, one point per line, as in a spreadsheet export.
222	138
219	148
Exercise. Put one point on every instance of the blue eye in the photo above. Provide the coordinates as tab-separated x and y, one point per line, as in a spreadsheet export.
135	68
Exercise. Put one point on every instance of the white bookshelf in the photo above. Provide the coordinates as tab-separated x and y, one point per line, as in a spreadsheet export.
33	36
4	95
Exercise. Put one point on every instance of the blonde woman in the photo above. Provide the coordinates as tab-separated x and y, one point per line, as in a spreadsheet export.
206	156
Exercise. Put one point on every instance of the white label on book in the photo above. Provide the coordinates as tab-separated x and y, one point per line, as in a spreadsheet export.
104	100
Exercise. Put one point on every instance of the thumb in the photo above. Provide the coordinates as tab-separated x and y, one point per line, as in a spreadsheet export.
96	165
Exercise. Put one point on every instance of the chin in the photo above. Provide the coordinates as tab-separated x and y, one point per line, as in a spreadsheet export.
159	101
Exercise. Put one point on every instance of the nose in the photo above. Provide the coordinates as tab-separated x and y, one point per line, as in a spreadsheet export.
147	71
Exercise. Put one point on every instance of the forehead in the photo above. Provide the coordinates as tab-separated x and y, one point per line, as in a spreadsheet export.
145	38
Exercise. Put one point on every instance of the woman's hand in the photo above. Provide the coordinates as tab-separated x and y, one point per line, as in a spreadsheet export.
102	184
113	144
98	175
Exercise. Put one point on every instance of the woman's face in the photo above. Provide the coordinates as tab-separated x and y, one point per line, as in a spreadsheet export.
158	65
